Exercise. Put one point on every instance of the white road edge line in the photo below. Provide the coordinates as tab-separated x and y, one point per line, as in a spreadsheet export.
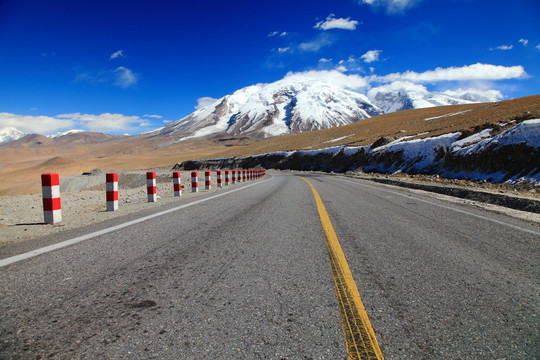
449	208
43	250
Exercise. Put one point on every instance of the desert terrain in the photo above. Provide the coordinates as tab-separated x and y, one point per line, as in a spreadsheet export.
23	161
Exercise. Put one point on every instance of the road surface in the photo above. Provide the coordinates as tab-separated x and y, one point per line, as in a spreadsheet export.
246	275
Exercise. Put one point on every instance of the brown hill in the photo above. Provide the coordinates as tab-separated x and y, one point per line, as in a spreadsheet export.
22	161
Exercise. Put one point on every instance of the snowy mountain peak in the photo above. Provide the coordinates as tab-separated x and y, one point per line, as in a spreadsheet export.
409	99
392	99
69	132
8	134
287	106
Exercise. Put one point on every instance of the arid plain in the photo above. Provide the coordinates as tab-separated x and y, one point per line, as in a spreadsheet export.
23	161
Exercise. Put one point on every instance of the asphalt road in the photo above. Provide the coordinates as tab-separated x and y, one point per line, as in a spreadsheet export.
246	275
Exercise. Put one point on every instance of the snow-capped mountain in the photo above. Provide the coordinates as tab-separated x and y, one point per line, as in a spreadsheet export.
284	107
476	96
8	134
405	99
64	133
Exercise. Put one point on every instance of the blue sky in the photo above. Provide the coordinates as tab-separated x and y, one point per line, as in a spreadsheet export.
131	66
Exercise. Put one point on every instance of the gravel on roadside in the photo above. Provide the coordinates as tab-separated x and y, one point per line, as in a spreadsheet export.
21	217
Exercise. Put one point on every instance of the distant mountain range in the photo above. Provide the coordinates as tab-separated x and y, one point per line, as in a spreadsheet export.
288	106
397	100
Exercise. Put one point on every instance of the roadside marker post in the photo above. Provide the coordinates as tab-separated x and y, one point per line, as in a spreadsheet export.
219	179
151	186
52	207
233	177
194	182
244	175
227	177
207	180
112	191
177	184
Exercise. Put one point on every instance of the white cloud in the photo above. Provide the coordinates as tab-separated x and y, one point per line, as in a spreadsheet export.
283	50
277	33
118	54
391	6
371	56
342	68
324	60
34	124
121	77
316	44
465	73
205	101
353	81
396	86
47	125
105	122
332	23
503	47
152	116
524	41
538	46
124	77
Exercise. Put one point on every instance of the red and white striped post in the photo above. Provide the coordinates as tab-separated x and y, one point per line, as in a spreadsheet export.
207	180
112	191
244	175
219	179
52	207
227	177
177	184
151	186
194	182
234	176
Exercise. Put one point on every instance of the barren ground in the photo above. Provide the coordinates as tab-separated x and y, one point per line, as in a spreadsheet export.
21	164
21	217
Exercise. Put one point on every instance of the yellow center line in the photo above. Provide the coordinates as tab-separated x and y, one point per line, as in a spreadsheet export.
357	330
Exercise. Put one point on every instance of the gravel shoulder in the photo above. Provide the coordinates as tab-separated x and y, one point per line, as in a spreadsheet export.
21	217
